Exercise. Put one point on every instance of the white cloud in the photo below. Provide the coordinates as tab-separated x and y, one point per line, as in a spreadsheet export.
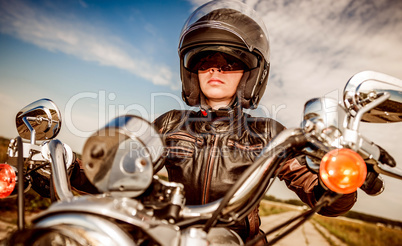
80	39
317	46
197	3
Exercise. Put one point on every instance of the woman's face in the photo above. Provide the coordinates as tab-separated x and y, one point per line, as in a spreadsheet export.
219	75
219	85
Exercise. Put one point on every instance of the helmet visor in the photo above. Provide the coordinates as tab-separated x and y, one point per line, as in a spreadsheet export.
222	57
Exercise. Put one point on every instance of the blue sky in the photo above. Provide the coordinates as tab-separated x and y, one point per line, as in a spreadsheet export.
98	59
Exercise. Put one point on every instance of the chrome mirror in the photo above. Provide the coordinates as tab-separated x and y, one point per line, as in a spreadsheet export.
368	87
40	120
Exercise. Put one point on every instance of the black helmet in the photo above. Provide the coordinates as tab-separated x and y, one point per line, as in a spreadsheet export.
229	27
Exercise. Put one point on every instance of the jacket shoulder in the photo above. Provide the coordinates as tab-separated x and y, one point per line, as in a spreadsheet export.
171	119
263	125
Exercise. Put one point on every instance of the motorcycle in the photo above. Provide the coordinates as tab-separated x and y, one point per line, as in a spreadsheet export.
136	207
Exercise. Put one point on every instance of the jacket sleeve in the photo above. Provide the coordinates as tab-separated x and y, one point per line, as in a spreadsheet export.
160	122
305	184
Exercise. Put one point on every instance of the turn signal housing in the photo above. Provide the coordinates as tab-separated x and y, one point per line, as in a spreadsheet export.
7	180
343	171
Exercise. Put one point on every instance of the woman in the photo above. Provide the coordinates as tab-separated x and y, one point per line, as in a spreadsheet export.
224	63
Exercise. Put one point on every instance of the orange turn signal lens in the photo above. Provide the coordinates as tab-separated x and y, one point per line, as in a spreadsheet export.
343	170
7	180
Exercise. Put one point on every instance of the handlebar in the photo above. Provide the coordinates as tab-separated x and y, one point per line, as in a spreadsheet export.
59	170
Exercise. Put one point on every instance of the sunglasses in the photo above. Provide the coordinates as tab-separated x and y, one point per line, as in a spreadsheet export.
205	58
221	61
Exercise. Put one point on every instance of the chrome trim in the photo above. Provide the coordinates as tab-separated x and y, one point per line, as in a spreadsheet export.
366	86
126	210
87	229
40	120
394	172
59	170
325	119
367	108
119	158
30	128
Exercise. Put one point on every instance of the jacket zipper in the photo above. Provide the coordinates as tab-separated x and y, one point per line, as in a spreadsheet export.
254	147
186	137
209	169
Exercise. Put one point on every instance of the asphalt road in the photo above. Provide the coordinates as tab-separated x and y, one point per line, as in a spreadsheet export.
305	235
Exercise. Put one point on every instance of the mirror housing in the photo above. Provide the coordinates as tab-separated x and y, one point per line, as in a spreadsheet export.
40	120
365	87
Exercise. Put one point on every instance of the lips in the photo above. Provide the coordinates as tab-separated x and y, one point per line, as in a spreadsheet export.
214	81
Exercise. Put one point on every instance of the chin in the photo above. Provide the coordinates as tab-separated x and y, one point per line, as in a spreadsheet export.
215	95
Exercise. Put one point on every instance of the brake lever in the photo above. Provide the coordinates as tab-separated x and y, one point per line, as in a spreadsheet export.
384	164
386	158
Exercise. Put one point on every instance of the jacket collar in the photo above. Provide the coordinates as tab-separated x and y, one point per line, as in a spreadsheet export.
232	110
223	120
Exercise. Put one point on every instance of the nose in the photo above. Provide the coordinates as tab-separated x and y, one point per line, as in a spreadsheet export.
214	69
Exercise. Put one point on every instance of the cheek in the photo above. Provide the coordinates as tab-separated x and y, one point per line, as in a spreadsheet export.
203	80
235	80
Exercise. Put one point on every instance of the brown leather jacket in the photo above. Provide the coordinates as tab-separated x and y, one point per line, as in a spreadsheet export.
208	150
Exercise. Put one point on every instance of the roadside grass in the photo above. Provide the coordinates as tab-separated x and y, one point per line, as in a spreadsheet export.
327	237
268	208
351	233
33	204
360	233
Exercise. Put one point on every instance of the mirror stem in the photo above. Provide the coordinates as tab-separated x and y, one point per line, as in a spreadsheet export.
31	129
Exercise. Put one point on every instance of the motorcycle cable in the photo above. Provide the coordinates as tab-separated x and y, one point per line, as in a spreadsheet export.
37	168
292	152
289	152
277	153
226	199
277	165
325	200
190	221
